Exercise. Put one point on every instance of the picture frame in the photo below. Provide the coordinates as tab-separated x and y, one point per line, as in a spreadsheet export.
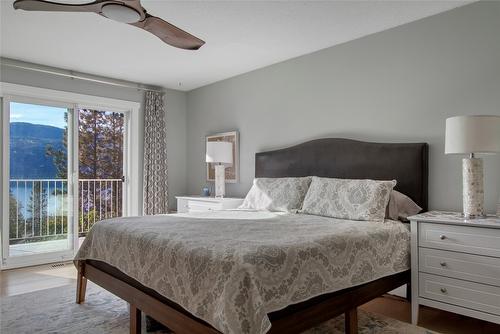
233	171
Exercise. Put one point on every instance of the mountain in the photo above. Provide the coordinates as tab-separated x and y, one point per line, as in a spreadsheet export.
23	129
28	143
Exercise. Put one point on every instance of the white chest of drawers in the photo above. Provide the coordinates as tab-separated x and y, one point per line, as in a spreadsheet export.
455	264
201	204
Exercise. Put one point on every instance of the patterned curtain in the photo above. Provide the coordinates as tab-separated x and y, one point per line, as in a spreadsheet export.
155	156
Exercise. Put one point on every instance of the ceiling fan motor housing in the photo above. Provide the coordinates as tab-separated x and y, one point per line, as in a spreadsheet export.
120	13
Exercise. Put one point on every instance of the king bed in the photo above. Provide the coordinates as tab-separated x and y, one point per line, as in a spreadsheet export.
246	271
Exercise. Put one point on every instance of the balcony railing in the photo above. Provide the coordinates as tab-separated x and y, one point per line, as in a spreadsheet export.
38	208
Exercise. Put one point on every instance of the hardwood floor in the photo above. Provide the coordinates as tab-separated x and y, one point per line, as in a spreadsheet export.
430	318
19	281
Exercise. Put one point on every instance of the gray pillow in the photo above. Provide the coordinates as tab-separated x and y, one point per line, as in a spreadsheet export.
348	199
277	194
401	206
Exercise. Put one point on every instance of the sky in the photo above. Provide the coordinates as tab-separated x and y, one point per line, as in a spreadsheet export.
37	114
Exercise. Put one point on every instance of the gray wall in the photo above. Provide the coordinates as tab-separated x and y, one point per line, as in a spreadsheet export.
175	106
395	86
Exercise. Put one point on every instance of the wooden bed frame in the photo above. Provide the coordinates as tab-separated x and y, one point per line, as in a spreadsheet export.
341	158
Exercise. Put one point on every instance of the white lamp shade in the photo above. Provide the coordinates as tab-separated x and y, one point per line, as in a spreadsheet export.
219	152
472	134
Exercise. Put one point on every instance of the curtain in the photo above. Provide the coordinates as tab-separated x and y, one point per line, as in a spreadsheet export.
155	189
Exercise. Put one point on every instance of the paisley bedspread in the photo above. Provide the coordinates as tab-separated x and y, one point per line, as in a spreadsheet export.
231	268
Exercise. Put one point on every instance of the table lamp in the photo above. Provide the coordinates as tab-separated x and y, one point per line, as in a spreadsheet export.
221	154
471	135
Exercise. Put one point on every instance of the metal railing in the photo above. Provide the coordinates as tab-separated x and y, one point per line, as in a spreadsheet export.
39	208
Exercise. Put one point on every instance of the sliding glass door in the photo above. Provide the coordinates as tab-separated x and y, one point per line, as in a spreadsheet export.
101	167
63	171
37	222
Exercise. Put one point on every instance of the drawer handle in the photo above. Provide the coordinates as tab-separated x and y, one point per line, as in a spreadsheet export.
443	264
443	290
442	237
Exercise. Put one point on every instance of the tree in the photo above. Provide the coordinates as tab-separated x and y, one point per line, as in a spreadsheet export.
115	162
37	208
16	218
60	156
100	146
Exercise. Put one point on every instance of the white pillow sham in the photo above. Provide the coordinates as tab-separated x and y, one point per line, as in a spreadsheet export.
277	194
348	199
401	206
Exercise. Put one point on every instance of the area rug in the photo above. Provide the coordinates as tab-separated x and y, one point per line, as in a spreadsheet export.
54	311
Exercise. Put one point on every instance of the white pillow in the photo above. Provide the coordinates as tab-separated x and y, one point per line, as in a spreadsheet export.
277	194
401	206
348	199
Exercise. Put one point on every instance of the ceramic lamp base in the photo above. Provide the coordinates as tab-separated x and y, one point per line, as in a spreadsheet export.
498	208
473	189
220	180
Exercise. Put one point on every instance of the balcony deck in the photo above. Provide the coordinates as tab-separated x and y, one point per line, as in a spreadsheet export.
33	248
39	210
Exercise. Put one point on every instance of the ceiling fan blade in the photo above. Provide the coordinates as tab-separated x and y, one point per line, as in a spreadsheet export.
49	6
169	33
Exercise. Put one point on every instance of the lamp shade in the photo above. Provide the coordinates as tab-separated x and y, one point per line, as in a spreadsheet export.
472	134
219	152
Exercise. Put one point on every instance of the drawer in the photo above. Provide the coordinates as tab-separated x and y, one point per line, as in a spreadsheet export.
197	206
477	268
182	205
474	240
479	297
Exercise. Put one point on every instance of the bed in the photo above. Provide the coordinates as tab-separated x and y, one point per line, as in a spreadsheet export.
247	272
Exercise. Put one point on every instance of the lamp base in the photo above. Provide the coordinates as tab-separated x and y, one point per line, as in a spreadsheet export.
220	180
474	216
498	208
473	189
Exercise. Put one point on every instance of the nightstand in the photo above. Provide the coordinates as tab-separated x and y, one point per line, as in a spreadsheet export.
455	264
200	203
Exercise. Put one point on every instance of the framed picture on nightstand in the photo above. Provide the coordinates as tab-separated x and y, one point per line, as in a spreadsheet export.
233	171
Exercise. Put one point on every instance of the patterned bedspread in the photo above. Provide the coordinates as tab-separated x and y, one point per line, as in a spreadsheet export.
232	268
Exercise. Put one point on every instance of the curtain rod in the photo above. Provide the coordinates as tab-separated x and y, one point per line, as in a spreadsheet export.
76	75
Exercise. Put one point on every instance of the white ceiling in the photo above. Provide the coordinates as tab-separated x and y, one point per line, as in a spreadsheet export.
240	36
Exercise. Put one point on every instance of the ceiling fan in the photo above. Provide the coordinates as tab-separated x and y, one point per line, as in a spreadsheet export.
125	11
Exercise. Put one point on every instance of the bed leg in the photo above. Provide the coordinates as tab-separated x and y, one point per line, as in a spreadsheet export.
408	292
135	320
351	321
81	283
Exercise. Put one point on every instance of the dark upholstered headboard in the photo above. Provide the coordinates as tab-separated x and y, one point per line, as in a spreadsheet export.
352	159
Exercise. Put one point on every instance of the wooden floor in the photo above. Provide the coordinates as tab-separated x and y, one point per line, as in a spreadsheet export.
430	318
19	281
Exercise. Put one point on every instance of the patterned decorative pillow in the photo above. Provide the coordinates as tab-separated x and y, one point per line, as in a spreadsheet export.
277	194
348	199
